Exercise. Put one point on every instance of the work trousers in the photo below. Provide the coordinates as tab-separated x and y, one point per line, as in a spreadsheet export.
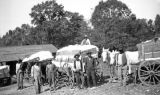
52	80
122	75
20	80
37	84
91	74
112	72
79	79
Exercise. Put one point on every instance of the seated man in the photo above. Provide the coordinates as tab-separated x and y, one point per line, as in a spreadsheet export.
86	41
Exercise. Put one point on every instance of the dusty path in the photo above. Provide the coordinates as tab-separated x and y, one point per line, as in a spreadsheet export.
104	89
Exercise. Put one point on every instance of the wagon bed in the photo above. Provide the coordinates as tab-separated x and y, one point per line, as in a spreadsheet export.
149	68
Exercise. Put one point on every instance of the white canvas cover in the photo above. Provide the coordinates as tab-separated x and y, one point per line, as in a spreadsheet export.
42	55
66	54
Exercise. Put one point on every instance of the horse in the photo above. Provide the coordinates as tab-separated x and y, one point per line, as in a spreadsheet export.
129	59
104	55
109	56
132	59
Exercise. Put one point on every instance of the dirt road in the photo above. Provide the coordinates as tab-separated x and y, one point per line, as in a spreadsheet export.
103	89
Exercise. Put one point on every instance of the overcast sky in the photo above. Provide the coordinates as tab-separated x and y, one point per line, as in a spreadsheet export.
14	13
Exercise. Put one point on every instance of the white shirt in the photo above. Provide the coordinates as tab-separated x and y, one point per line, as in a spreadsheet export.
120	59
112	57
17	67
35	70
86	42
78	65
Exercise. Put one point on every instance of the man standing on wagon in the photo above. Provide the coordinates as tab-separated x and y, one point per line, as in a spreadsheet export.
90	65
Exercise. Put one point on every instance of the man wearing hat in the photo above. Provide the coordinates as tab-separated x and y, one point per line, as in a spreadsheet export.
20	74
85	41
51	72
36	74
90	69
78	71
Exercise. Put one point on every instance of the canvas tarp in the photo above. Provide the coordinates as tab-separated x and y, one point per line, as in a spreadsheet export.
42	55
66	54
19	52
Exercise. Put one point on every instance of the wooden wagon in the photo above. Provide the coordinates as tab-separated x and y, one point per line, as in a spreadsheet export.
65	58
149	67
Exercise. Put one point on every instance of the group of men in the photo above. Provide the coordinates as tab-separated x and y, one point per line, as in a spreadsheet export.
36	75
80	71
84	68
51	72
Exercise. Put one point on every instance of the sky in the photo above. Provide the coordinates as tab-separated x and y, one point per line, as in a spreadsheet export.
14	13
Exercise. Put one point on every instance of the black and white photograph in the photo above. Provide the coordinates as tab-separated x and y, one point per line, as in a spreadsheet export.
79	47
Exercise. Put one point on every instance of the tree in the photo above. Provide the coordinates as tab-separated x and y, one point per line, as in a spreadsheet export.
119	26
56	26
106	17
46	11
106	11
157	25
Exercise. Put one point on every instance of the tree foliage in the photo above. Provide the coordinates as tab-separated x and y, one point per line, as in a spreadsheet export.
113	22
53	25
157	25
119	26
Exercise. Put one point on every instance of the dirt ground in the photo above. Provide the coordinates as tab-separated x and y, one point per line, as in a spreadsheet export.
105	88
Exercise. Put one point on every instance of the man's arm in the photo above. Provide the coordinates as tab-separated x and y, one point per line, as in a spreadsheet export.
94	63
82	42
81	65
32	71
74	67
46	69
88	42
86	62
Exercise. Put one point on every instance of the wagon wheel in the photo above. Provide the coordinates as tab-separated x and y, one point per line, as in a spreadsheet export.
149	73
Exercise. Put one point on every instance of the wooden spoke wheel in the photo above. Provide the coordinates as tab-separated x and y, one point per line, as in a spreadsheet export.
149	73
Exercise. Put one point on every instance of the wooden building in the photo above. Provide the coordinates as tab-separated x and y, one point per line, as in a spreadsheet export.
10	55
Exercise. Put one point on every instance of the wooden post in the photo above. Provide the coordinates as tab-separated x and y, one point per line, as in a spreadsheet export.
143	53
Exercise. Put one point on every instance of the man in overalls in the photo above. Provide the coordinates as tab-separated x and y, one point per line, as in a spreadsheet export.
51	72
122	67
20	75
90	69
112	57
36	74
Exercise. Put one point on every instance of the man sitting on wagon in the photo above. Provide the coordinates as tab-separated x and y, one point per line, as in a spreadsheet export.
85	41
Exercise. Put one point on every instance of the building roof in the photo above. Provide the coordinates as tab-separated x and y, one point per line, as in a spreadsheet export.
20	52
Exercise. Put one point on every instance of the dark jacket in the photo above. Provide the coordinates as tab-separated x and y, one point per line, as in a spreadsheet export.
90	63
